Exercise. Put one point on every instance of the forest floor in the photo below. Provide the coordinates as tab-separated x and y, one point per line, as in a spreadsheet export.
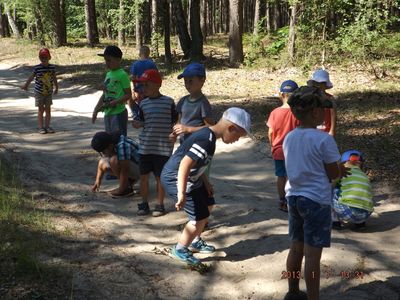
103	250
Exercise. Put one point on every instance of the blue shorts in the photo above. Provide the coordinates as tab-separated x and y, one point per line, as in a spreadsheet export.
280	169
346	213
309	221
117	123
152	163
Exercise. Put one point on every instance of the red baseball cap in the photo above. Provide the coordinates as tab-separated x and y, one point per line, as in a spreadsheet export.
44	52
150	75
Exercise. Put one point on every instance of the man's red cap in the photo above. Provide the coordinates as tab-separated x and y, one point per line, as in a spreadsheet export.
150	75
44	52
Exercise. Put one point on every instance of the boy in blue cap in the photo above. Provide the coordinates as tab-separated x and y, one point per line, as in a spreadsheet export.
280	122
194	110
184	181
352	197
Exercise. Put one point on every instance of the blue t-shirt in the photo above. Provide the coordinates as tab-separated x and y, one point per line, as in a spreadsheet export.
139	67
200	147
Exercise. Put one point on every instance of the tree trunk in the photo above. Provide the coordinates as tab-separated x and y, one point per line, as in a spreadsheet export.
92	34
268	17
57	20
146	22
63	24
256	17
226	5
121	29
181	27
12	22
275	16
195	31
235	32
203	19
3	22
39	26
167	33
292	32
138	30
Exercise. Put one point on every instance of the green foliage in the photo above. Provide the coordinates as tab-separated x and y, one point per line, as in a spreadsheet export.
76	19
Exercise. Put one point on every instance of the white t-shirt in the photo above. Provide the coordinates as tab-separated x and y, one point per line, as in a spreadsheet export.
306	151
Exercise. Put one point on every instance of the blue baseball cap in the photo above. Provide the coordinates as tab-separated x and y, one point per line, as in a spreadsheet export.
288	86
352	155
193	69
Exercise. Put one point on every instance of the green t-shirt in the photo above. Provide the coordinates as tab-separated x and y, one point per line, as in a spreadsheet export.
116	81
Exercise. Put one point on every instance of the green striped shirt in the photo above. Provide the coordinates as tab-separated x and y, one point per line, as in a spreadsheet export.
356	190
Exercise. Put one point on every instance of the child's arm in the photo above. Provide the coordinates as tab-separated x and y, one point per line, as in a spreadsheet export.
97	108
180	128
99	177
333	112
25	86
336	171
55	83
127	95
183	174
270	132
208	185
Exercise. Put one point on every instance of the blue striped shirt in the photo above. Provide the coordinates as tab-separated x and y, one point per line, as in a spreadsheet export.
158	116
127	149
44	79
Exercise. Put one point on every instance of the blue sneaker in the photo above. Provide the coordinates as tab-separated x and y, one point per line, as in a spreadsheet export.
184	255
201	247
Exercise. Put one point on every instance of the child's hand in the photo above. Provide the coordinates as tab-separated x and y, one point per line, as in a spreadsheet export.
209	188
136	124
172	137
181	201
179	128
55	91
95	187
113	103
344	171
24	87
94	117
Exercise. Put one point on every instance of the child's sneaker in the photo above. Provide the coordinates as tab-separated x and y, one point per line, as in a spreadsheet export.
159	210
50	130
201	247
143	209
42	131
184	255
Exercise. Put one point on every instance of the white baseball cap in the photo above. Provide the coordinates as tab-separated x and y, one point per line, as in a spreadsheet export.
238	116
321	75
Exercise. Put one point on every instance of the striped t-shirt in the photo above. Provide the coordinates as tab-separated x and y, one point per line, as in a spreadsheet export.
355	190
158	116
44	79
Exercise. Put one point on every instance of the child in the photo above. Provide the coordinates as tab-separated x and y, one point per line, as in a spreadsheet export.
183	179
121	155
157	116
320	79
136	70
45	78
280	122
194	110
311	160
352	197
117	90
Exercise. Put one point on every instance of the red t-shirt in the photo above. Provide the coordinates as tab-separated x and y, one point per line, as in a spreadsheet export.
281	121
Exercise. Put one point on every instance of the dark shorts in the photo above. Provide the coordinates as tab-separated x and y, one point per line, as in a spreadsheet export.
280	169
152	163
41	100
117	123
309	221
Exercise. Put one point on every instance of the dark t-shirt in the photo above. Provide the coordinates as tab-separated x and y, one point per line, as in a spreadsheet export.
200	146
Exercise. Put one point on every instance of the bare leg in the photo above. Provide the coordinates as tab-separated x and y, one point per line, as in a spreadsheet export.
160	191
191	231
280	184
40	116
47	109
144	187
293	265
312	257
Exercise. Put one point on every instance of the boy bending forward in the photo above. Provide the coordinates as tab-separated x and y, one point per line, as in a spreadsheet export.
184	180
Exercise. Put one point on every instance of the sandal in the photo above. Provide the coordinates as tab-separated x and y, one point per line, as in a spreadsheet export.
128	192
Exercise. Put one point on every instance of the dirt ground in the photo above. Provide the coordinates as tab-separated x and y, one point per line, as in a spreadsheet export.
114	254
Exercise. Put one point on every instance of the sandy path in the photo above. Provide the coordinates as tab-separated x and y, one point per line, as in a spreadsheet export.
111	250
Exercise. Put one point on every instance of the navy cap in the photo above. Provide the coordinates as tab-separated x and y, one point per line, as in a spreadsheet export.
352	155
193	69
288	86
113	51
